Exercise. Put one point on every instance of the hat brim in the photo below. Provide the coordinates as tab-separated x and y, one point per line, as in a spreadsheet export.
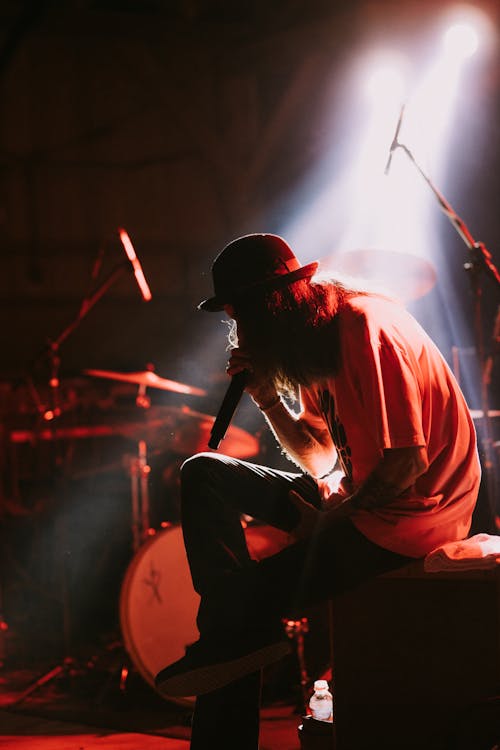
217	303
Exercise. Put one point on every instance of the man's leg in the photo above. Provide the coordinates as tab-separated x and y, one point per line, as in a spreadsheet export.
241	613
228	718
238	596
216	491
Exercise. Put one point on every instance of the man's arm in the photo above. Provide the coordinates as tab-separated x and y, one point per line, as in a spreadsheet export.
308	446
398	470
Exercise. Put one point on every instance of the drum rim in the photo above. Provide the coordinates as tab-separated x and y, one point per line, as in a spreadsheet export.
125	628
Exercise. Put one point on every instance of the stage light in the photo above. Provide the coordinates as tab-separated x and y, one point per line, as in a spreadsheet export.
385	81
460	41
466	30
395	212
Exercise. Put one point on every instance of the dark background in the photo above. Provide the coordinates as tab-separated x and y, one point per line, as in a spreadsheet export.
188	123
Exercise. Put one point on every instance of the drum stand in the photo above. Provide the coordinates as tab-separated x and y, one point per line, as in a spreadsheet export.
139	475
139	471
295	630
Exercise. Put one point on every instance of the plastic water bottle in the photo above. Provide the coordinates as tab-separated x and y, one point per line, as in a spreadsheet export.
321	702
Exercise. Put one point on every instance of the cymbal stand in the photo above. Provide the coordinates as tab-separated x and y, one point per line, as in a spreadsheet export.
139	478
139	471
480	262
86	306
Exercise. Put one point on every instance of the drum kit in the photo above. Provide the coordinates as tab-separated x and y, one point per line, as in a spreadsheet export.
157	603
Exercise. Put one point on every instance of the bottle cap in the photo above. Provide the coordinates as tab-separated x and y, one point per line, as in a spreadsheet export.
320	685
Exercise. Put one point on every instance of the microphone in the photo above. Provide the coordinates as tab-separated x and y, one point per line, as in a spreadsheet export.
227	408
395	143
136	266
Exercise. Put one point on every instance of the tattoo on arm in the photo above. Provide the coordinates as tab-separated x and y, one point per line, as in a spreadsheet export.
375	493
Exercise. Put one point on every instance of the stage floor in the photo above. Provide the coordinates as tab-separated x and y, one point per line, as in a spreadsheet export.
78	710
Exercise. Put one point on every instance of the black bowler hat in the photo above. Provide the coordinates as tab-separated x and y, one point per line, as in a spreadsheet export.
254	261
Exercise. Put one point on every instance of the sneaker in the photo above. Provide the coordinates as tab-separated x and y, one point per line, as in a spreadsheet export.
209	665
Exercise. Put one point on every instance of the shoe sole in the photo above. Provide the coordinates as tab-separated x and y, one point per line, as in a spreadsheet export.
206	679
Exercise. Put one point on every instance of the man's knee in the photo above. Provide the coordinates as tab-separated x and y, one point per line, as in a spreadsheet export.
196	470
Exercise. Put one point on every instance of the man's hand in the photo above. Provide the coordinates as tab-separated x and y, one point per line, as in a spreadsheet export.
309	517
259	386
334	501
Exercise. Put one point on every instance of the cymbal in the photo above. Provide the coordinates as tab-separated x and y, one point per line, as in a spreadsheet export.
399	274
149	379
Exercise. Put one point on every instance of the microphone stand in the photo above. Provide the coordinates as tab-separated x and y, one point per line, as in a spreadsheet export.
480	262
68	664
87	305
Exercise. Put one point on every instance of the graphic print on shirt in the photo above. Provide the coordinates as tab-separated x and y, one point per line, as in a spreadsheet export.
337	431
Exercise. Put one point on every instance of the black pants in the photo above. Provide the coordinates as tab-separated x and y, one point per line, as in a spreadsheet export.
238	593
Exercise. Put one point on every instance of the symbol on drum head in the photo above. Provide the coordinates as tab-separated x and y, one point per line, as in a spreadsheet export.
153	581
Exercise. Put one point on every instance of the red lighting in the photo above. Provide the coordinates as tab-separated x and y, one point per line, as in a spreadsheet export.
123	678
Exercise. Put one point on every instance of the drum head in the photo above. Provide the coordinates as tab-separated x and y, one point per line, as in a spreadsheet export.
158	605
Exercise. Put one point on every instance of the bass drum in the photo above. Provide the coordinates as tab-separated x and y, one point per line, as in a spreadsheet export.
158	604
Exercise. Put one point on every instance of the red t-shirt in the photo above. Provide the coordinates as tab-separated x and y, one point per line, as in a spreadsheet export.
395	390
